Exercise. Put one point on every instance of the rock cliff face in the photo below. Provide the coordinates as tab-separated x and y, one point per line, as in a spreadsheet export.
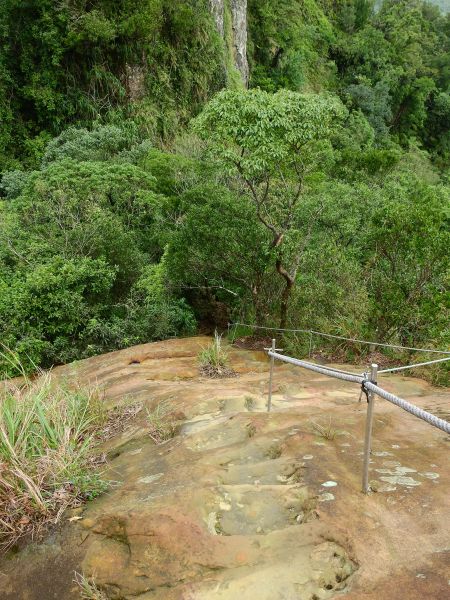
218	9
237	9
239	25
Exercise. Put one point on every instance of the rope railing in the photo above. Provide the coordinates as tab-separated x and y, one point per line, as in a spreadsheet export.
413	365
344	375
370	388
341	337
411	408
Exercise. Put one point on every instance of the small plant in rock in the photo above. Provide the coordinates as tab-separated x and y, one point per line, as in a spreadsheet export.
214	360
88	588
250	429
249	403
326	431
163	424
274	451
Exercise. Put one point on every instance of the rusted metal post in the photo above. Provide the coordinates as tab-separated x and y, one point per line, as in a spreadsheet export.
272	362
368	435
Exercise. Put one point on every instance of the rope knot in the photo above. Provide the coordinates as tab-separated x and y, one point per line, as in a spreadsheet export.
363	388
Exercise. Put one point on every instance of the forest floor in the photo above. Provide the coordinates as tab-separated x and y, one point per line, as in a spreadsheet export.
246	505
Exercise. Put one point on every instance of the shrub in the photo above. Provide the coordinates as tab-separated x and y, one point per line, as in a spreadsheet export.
274	451
102	143
44	315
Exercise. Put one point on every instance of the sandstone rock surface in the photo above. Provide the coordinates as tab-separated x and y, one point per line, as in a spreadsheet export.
239	505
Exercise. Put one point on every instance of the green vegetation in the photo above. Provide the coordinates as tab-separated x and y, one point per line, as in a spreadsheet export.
390	64
274	451
214	360
74	62
78	274
47	435
272	142
88	588
162	423
249	403
143	192
250	430
325	430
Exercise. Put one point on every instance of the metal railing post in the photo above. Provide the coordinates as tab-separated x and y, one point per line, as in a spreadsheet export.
368	435
272	361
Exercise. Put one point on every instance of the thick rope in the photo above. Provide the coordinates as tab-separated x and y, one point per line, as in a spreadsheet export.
430	362
411	408
340	337
337	370
344	375
368	385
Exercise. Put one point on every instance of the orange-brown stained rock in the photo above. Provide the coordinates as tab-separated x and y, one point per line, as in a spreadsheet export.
243	505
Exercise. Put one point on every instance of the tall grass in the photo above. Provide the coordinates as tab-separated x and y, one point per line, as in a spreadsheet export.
88	588
47	434
214	360
162	423
325	430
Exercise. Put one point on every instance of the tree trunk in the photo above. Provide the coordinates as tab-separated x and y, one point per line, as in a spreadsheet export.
256	299
286	295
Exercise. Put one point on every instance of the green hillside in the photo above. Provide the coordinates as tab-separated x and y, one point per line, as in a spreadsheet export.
146	193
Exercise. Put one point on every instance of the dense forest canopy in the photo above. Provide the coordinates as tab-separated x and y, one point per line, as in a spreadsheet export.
146	192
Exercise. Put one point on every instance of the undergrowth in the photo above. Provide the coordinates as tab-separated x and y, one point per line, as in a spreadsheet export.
249	403
47	463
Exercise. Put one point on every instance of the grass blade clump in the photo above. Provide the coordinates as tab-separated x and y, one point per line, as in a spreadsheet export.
325	430
163	423
47	434
214	360
88	588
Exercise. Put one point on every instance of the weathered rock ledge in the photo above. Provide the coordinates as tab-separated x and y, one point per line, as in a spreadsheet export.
248	505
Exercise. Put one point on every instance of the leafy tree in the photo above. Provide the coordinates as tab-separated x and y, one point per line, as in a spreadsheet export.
81	209
45	311
438	127
374	102
408	238
288	44
272	144
394	66
77	252
227	258
98	144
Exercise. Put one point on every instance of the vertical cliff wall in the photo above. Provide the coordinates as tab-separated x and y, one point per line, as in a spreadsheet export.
231	21
218	10
239	25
